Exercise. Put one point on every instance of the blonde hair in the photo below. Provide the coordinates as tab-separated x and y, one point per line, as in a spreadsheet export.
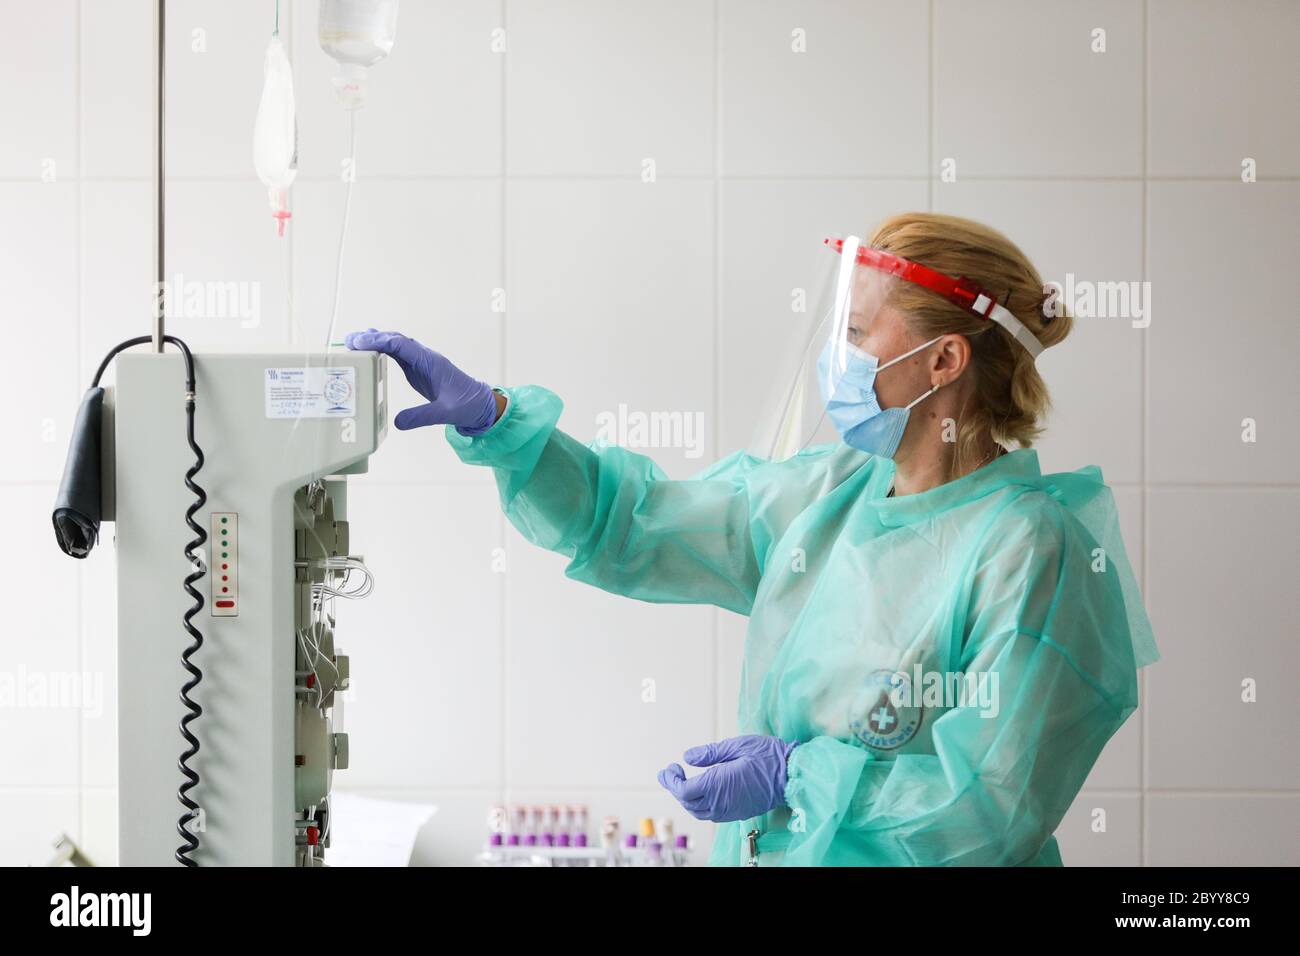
1010	397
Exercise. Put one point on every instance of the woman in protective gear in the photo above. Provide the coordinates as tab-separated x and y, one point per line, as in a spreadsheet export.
941	638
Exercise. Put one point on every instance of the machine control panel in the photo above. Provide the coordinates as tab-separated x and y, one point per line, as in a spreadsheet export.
223	570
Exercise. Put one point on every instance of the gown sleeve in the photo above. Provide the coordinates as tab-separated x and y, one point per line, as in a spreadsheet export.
625	526
1048	623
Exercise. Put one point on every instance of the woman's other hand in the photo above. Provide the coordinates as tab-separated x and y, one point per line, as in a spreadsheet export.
746	778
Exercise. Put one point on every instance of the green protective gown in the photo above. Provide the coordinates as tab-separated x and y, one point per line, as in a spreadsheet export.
861	609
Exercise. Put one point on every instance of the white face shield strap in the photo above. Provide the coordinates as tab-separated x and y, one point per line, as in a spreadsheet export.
961	291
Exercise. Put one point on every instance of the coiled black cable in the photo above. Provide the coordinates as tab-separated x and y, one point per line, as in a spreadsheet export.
199	569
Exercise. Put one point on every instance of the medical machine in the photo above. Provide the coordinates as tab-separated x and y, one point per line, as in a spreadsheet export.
225	477
246	692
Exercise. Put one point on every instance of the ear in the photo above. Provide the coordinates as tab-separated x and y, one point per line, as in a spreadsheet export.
949	360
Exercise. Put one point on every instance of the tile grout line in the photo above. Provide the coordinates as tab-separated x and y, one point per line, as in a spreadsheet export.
1262	793
503	636
317	180
1224	486
1196	792
714	624
291	245
1176	793
929	154
1144	426
80	617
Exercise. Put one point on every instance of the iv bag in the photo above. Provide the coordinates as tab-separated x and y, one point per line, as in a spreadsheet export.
275	134
357	34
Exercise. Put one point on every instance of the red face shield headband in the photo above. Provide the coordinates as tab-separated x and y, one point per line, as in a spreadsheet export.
962	292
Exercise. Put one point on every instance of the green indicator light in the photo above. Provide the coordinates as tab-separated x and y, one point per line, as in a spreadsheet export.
224	555
224	520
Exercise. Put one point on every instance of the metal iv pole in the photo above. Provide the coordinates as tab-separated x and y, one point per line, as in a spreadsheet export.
160	304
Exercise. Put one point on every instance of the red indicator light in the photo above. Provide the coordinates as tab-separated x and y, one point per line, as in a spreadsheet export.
225	604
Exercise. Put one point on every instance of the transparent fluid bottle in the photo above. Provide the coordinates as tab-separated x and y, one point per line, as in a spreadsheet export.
357	34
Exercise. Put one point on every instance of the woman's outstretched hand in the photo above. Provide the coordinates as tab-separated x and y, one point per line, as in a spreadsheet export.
454	398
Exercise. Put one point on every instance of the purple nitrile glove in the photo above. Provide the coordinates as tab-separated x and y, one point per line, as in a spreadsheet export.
454	397
746	778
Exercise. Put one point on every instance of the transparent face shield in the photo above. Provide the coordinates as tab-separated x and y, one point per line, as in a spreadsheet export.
855	334
827	354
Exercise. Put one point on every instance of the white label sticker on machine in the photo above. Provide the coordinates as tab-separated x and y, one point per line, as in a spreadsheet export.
322	392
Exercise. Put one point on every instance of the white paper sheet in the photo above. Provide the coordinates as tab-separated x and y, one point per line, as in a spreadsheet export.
369	832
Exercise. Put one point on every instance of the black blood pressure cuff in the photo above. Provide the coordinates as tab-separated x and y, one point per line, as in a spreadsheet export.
77	505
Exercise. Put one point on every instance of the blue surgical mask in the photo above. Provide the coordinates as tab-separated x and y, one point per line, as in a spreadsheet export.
851	401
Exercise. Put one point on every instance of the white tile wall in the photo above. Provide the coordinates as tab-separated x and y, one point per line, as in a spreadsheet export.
40	722
611	284
1223	79
1222	320
38	280
1021	88
117	267
209	241
595	88
38	815
665	285
600	691
433	108
40	143
798	93
426	705
214	79
1102	828
1222	829
117	82
1224	628
98	824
